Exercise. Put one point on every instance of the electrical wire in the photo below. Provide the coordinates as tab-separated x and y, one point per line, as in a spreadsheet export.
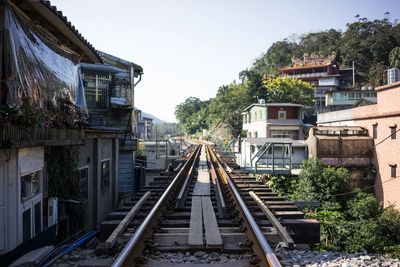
372	186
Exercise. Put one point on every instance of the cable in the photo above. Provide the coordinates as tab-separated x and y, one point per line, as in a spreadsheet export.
372	186
374	146
365	188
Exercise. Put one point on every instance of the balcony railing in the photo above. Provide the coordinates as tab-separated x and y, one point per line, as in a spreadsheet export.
17	137
308	75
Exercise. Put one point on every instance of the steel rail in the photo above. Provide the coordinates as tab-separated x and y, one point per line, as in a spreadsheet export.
132	248
260	244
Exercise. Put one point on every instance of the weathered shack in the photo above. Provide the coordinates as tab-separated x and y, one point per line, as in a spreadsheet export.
340	145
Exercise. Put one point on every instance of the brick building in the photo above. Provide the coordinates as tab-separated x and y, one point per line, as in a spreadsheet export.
382	121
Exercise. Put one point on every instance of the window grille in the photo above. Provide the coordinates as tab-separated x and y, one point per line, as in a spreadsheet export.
97	88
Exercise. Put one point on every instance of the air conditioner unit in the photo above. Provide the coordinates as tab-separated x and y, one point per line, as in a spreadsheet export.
393	75
52	211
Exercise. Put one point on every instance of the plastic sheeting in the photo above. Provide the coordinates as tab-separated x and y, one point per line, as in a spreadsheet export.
36	68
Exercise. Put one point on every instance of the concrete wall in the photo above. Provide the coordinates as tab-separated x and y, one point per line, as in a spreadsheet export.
101	199
9	202
15	163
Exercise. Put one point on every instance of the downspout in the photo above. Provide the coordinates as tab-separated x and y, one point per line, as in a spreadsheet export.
133	85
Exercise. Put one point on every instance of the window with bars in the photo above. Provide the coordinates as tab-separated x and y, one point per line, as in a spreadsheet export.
97	90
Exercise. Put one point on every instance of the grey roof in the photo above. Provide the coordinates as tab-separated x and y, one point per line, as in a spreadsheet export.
137	67
101	67
261	141
286	122
273	105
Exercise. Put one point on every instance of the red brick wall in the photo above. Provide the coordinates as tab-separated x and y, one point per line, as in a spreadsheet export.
291	112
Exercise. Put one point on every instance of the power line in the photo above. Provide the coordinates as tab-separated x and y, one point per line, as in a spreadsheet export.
365	188
372	186
374	146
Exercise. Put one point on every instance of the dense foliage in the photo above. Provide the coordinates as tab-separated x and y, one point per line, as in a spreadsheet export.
351	220
373	46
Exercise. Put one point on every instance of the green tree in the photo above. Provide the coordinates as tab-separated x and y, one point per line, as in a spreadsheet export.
227	106
394	57
317	182
325	42
287	90
188	116
252	80
277	56
367	43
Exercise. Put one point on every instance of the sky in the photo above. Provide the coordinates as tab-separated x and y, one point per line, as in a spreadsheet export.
192	47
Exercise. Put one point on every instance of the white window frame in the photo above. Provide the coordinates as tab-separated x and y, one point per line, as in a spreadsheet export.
30	204
282	112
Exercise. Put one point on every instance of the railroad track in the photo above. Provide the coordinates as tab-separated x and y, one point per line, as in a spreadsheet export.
204	212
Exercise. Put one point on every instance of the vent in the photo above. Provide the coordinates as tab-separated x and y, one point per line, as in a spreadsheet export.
261	101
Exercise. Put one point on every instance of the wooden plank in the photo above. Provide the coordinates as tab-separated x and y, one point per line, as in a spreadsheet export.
274	221
112	239
222	209
195	238
202	185
212	233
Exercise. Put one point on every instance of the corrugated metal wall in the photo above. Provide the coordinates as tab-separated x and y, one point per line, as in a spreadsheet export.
126	174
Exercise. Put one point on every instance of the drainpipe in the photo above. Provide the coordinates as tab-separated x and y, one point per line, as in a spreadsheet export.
133	85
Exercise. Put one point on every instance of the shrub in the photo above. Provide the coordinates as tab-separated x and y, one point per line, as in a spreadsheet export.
363	206
317	182
390	220
364	235
279	183
331	206
332	228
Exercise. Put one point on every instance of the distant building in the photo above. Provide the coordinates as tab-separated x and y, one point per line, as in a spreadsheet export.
145	127
274	141
273	120
382	121
335	88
